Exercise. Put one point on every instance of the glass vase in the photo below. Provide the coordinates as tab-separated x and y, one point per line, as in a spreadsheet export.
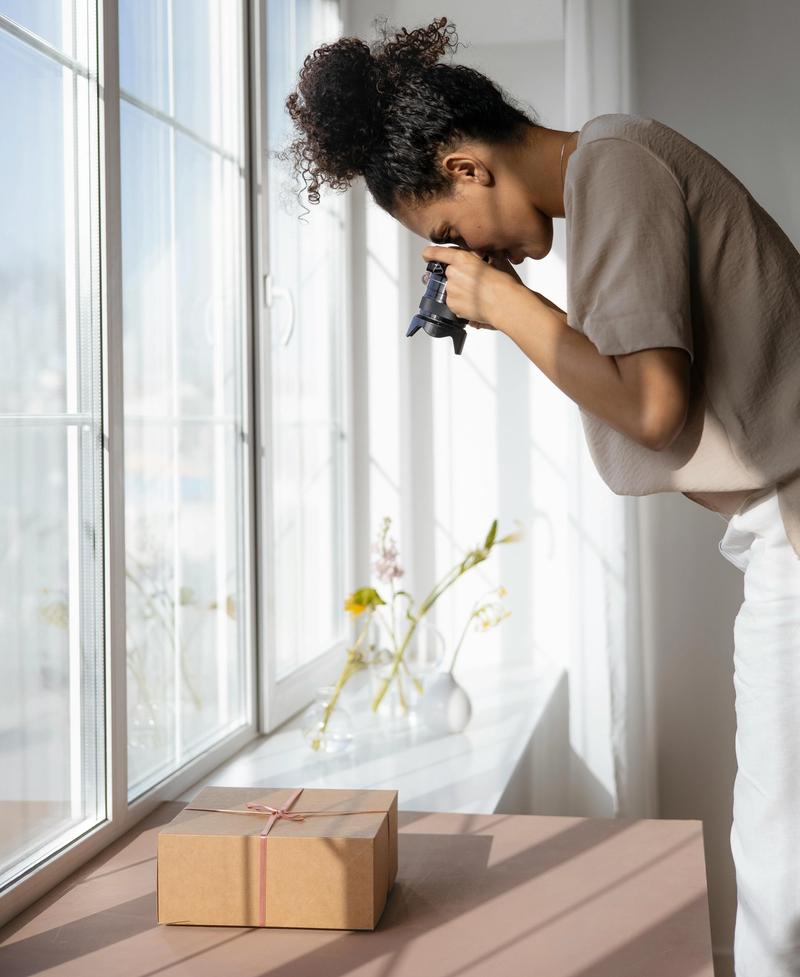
333	736
422	657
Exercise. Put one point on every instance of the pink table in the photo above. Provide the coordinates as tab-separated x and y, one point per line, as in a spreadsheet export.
520	896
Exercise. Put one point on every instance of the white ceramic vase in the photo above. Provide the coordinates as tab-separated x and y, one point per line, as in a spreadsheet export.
444	706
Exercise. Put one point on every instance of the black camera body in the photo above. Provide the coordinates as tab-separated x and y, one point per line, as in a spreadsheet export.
434	316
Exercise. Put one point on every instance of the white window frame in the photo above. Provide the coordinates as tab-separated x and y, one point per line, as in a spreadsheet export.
122	815
270	701
281	698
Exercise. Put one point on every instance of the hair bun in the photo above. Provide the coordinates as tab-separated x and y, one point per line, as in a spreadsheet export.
338	103
412	51
344	93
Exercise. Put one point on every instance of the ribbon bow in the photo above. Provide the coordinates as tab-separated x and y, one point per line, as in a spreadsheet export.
279	812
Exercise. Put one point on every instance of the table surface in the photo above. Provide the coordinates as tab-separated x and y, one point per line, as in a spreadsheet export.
476	894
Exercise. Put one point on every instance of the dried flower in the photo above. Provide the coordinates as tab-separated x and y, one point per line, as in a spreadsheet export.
386	567
489	616
486	616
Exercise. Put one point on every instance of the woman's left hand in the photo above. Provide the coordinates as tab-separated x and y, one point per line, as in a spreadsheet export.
474	287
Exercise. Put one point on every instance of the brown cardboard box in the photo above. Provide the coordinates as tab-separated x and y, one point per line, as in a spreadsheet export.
331	871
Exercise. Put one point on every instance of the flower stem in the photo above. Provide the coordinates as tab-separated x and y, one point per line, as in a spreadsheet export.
472	559
461	639
351	666
449	578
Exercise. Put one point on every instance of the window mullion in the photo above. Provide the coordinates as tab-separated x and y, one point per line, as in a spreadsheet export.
113	415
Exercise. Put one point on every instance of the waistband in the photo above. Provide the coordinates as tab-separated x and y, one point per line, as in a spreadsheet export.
762	518
759	512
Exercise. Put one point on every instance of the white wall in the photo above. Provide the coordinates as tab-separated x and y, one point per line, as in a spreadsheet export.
725	74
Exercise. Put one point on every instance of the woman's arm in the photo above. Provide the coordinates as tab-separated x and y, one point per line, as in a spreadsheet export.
644	395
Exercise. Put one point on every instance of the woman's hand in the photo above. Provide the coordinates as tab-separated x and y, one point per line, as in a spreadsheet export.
474	287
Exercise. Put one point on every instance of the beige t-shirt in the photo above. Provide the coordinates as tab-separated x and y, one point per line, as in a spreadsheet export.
665	247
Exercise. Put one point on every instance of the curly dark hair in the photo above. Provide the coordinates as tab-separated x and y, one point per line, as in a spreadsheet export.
389	112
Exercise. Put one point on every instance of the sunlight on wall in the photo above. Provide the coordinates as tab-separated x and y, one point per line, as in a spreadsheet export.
383	330
500	449
548	428
498	425
465	476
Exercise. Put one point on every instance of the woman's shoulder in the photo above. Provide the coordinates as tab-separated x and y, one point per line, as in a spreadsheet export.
623	149
632	142
645	131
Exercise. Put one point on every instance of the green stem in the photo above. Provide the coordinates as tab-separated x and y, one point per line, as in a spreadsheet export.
417	683
348	670
400	693
461	639
398	658
449	578
472	559
394	622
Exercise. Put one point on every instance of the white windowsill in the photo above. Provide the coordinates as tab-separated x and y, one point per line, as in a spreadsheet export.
465	772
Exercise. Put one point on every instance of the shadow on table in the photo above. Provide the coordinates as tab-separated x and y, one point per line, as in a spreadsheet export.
429	892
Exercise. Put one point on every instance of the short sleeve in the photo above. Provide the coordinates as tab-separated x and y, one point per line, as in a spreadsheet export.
628	284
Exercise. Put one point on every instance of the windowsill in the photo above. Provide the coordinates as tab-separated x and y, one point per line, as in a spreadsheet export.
463	772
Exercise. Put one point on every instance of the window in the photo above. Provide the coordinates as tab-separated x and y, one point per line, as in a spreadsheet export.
174	433
183	168
304	426
52	735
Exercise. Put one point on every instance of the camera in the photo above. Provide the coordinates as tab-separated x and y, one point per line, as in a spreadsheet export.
434	316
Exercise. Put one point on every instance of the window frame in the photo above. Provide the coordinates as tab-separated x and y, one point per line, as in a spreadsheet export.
122	815
269	701
281	698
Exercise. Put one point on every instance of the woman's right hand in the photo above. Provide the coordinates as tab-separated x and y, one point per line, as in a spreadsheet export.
502	264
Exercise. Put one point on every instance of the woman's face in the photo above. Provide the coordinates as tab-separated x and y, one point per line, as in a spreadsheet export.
492	210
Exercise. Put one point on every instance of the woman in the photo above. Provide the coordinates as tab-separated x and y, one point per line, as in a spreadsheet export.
681	348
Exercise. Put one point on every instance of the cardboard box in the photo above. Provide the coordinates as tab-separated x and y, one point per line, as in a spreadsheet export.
332	870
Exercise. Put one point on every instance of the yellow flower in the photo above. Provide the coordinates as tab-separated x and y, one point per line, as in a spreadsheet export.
361	599
353	606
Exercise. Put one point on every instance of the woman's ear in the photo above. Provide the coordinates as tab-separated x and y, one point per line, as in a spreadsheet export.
468	167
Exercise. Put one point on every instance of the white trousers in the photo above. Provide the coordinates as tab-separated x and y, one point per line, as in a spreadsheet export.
765	832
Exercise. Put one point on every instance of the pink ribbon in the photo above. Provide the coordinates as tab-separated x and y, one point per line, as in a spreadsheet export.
275	814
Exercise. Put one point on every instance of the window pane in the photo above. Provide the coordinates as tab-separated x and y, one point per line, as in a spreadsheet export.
307	352
143	60
183	309
52	779
33	243
207	71
50	19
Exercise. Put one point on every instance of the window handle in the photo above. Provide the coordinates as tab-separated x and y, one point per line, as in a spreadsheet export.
272	292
